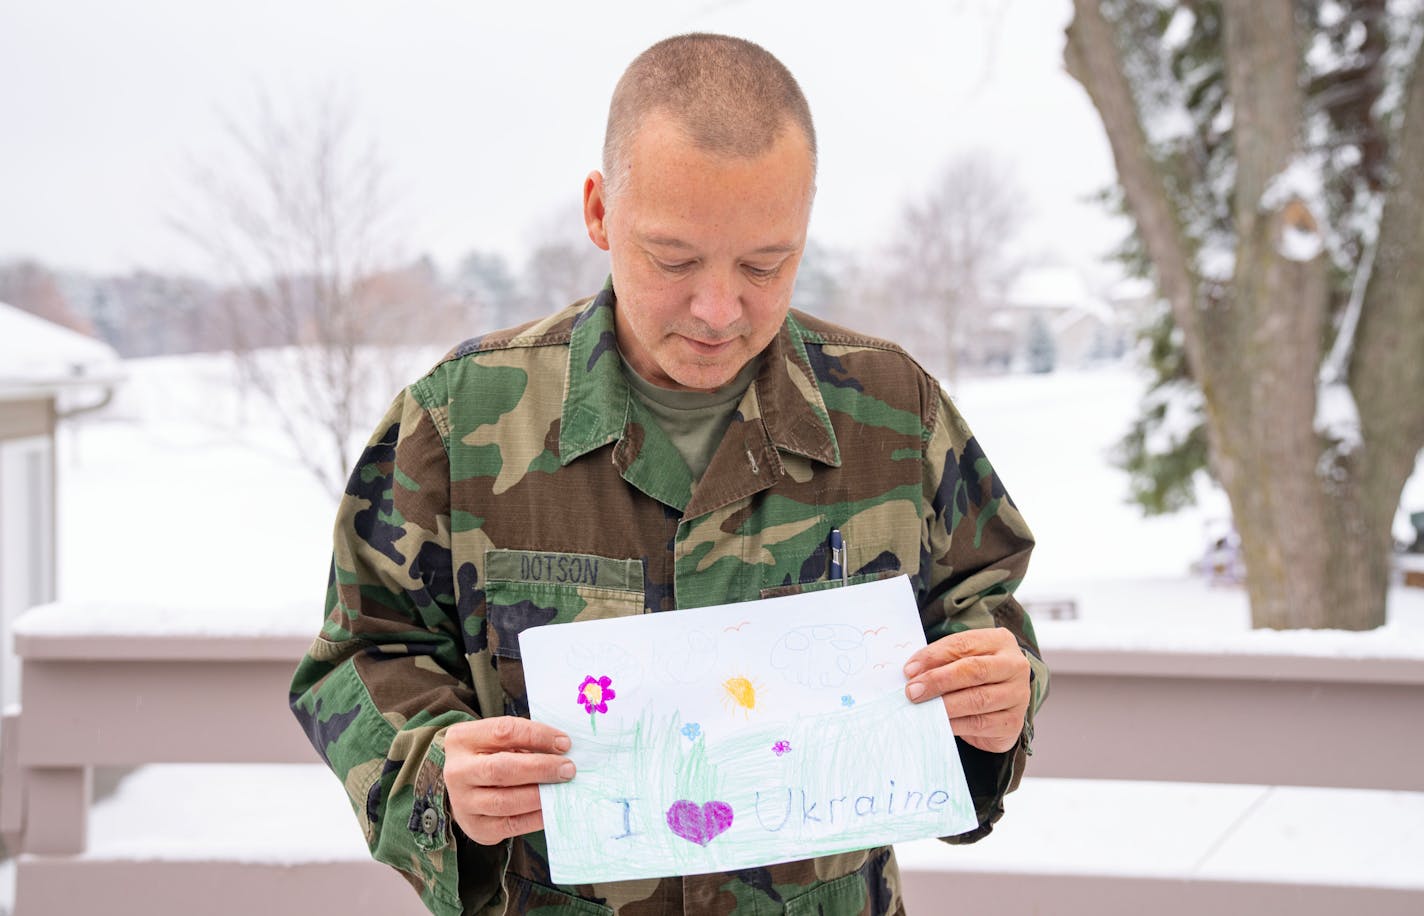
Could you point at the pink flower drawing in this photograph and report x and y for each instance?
(594, 693)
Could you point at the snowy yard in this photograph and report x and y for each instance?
(185, 496)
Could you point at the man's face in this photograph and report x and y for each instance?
(704, 250)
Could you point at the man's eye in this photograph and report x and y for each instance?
(681, 267)
(761, 273)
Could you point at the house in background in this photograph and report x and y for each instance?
(47, 372)
(1049, 318)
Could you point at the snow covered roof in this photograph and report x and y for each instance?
(1048, 287)
(1057, 289)
(38, 356)
(1131, 289)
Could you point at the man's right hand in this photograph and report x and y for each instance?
(493, 768)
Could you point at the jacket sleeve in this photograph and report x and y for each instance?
(388, 674)
(974, 554)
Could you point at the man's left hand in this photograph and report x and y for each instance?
(982, 677)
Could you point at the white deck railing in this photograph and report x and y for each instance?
(92, 697)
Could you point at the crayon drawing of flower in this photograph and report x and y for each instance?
(847, 701)
(594, 694)
(781, 747)
(691, 730)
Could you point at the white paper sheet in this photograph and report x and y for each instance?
(741, 735)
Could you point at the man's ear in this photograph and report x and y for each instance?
(594, 209)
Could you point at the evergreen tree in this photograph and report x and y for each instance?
(1041, 350)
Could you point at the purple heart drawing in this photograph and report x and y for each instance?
(699, 823)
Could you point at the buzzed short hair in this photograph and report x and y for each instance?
(731, 96)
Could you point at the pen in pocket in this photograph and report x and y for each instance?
(838, 556)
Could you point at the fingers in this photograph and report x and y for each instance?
(505, 751)
(491, 830)
(490, 814)
(493, 768)
(980, 700)
(504, 769)
(503, 802)
(984, 680)
(984, 641)
(997, 732)
(982, 677)
(506, 733)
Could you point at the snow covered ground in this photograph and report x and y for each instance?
(1286, 834)
(182, 503)
(185, 495)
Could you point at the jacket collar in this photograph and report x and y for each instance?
(782, 411)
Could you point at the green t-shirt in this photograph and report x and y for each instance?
(693, 420)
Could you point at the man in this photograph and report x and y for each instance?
(700, 442)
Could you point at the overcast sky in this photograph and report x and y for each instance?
(490, 114)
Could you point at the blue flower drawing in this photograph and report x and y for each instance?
(691, 730)
(847, 701)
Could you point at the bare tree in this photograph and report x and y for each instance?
(826, 284)
(296, 213)
(562, 266)
(488, 291)
(1272, 154)
(952, 258)
(31, 286)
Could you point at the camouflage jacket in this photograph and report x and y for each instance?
(523, 453)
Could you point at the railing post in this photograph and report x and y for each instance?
(57, 809)
(12, 781)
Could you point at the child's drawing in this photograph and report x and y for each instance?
(821, 655)
(608, 657)
(674, 777)
(740, 693)
(699, 824)
(594, 694)
(688, 656)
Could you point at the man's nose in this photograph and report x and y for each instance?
(717, 301)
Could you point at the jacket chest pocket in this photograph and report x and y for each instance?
(800, 588)
(526, 589)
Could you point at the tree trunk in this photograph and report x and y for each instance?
(1273, 332)
(1313, 552)
(1314, 516)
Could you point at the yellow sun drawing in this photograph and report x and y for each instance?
(740, 693)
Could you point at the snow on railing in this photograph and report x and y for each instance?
(186, 690)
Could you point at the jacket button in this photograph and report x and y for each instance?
(429, 821)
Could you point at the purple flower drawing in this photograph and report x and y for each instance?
(781, 747)
(594, 693)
